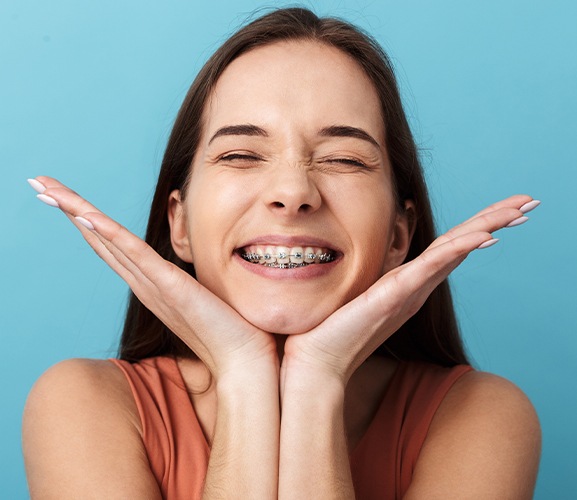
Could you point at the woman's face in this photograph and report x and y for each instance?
(290, 209)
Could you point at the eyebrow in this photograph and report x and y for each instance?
(251, 130)
(348, 131)
(332, 131)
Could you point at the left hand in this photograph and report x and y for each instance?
(343, 341)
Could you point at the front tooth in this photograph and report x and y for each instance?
(296, 255)
(309, 255)
(269, 255)
(282, 255)
(258, 256)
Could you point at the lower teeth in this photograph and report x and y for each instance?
(290, 265)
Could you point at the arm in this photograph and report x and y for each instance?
(82, 436)
(331, 353)
(244, 454)
(483, 443)
(242, 359)
(313, 458)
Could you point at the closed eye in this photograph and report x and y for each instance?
(239, 156)
(348, 161)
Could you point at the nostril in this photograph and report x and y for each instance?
(278, 204)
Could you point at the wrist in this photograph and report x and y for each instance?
(307, 356)
(310, 381)
(242, 381)
(246, 367)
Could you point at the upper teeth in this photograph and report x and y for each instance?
(291, 257)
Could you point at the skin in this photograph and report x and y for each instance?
(297, 184)
(290, 186)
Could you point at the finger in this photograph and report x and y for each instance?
(112, 235)
(134, 253)
(516, 201)
(131, 251)
(160, 285)
(146, 272)
(436, 263)
(505, 213)
(487, 221)
(68, 200)
(106, 254)
(72, 205)
(163, 299)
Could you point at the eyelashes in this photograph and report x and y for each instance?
(240, 157)
(347, 161)
(247, 158)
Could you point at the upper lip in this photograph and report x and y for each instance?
(290, 241)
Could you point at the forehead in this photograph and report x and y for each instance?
(301, 83)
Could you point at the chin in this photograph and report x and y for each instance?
(283, 320)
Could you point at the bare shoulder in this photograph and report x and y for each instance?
(484, 442)
(82, 433)
(85, 378)
(482, 396)
(77, 389)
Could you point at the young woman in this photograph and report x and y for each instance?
(290, 237)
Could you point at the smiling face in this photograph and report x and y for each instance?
(290, 210)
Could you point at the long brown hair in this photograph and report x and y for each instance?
(432, 334)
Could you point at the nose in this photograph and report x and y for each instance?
(292, 191)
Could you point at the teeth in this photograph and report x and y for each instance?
(286, 258)
(260, 256)
(283, 255)
(296, 255)
(309, 255)
(269, 256)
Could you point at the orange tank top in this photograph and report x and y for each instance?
(382, 463)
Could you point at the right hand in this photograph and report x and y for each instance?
(214, 331)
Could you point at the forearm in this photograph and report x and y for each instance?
(244, 456)
(314, 460)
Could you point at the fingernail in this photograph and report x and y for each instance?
(527, 207)
(85, 222)
(36, 185)
(488, 243)
(518, 222)
(46, 199)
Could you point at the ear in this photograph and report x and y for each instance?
(178, 227)
(401, 237)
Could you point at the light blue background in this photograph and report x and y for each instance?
(88, 92)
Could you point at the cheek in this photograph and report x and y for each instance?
(215, 211)
(372, 239)
(369, 221)
(213, 207)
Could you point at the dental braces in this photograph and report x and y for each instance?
(255, 257)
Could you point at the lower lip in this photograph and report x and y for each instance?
(302, 273)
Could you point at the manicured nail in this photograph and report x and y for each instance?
(488, 243)
(46, 199)
(37, 186)
(527, 207)
(85, 222)
(518, 222)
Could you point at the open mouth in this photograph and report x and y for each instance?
(281, 257)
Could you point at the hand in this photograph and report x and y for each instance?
(341, 343)
(216, 333)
